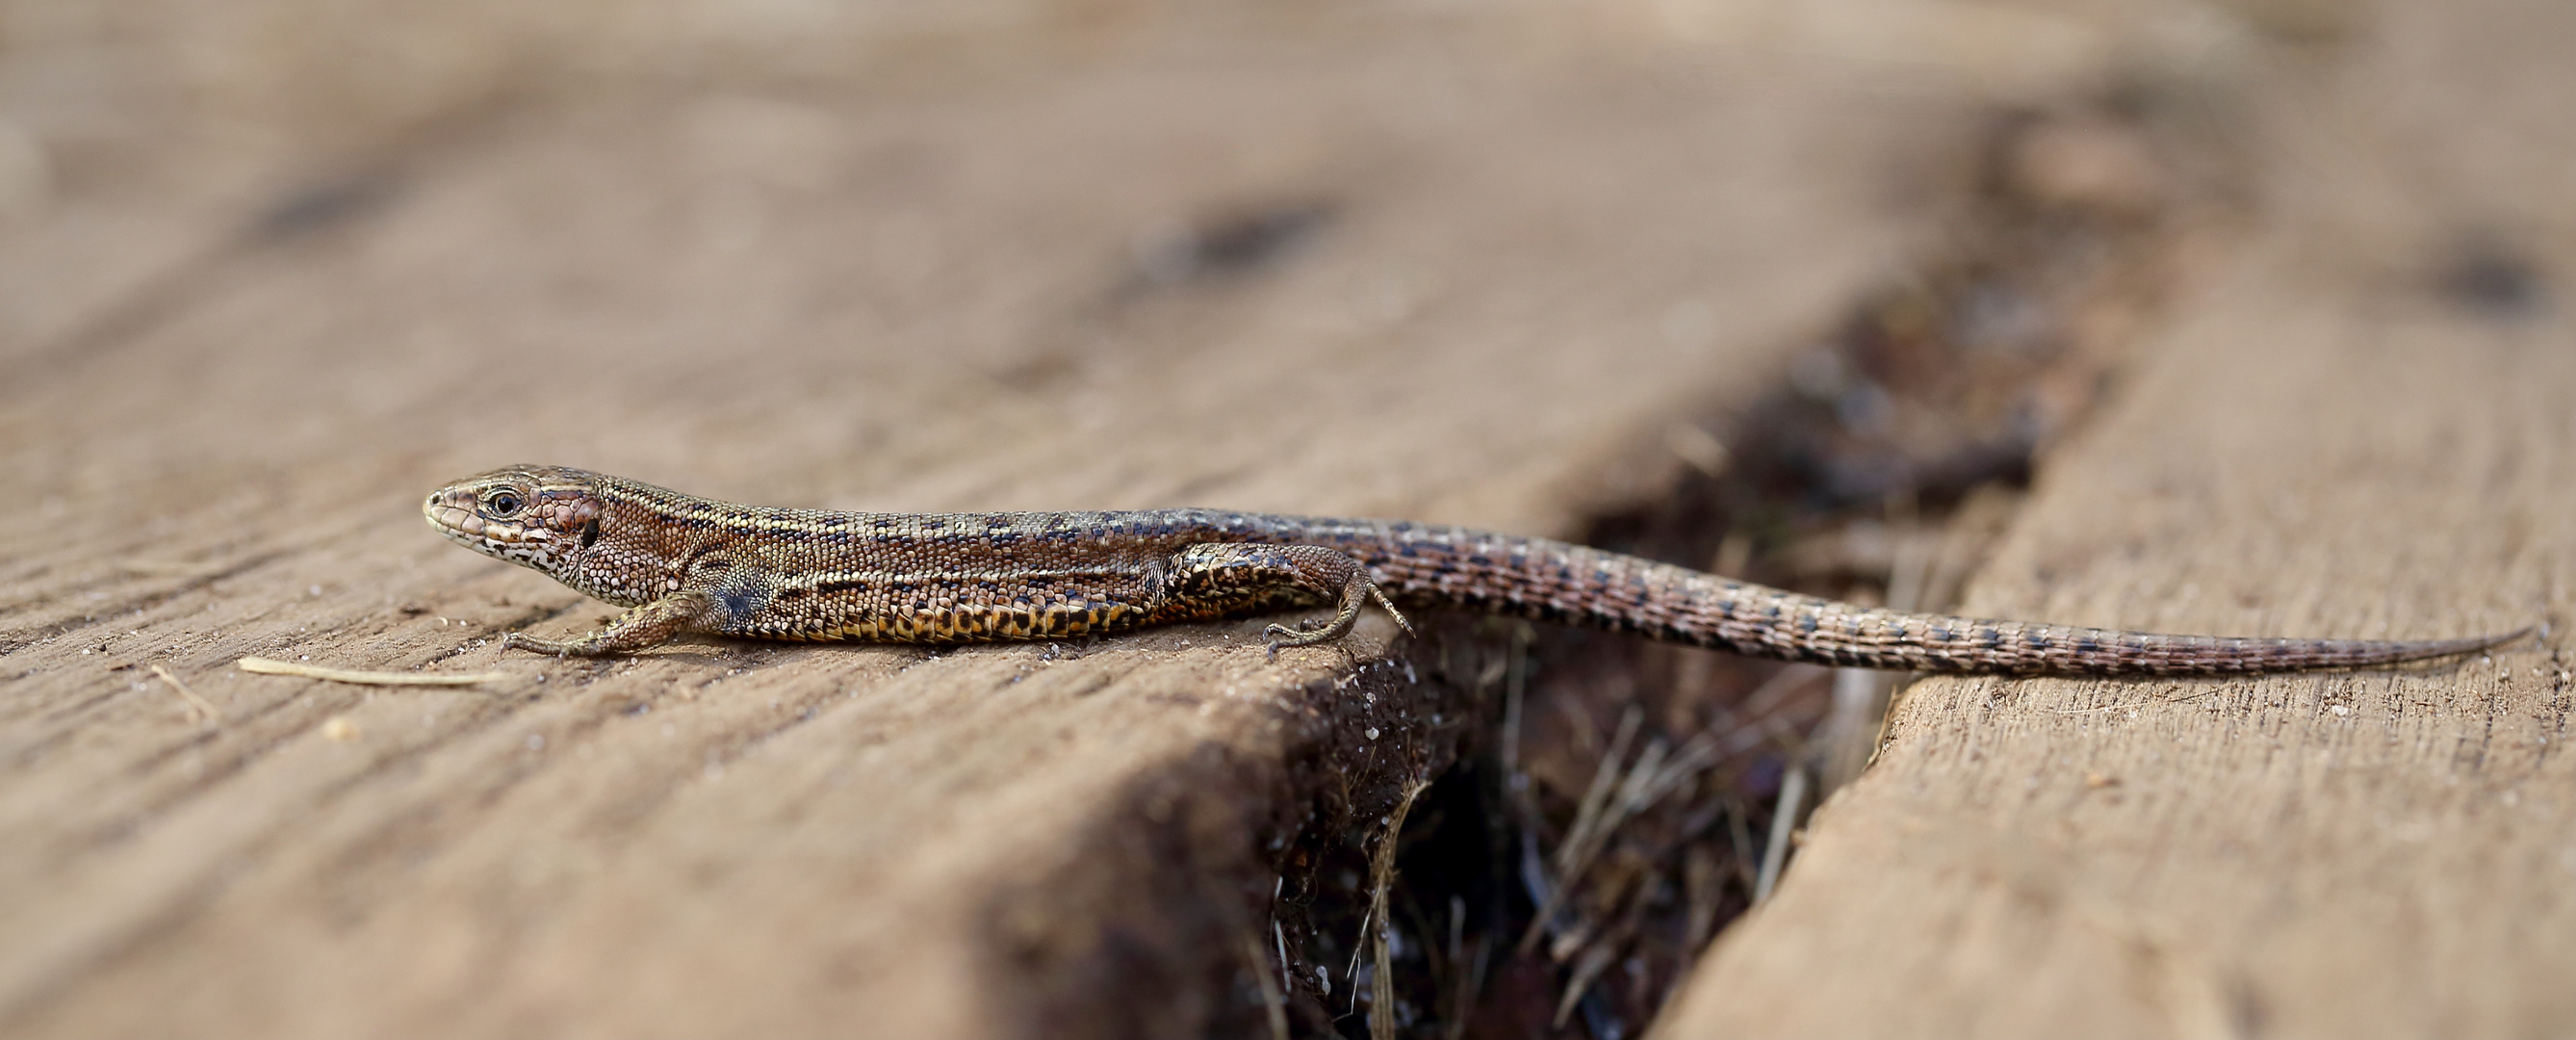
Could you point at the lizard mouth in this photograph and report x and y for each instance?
(471, 528)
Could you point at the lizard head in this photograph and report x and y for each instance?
(540, 516)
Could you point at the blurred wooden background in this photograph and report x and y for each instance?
(270, 270)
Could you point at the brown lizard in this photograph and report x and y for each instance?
(688, 564)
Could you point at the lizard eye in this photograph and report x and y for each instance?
(504, 503)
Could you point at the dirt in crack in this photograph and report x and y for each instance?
(1625, 801)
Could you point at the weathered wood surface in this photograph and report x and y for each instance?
(248, 330)
(2360, 425)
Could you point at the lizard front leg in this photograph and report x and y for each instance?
(716, 595)
(1216, 578)
(649, 625)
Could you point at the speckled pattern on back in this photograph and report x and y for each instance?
(693, 564)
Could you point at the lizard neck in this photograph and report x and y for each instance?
(647, 538)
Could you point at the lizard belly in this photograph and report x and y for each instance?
(895, 608)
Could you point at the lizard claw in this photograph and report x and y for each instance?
(534, 645)
(1389, 606)
(1281, 635)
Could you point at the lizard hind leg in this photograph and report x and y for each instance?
(1217, 579)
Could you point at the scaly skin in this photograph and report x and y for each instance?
(687, 564)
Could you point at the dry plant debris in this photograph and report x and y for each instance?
(200, 705)
(265, 666)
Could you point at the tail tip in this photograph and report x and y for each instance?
(2477, 644)
(2514, 636)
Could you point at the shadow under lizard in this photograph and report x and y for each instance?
(688, 564)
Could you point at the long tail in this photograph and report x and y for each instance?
(1569, 584)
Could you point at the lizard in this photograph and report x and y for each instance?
(687, 564)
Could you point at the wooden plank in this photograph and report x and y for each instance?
(1495, 266)
(2359, 425)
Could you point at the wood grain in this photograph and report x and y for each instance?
(850, 266)
(2333, 437)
